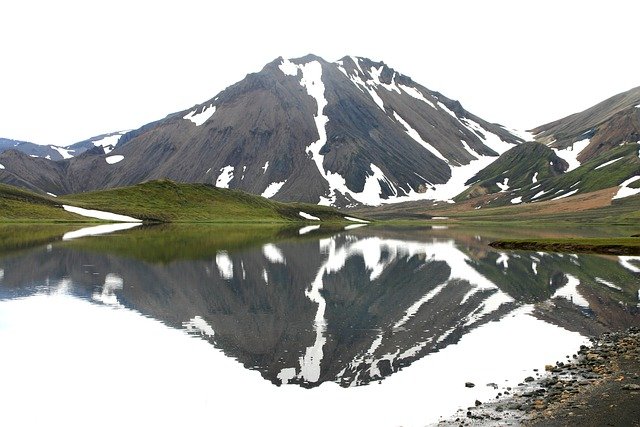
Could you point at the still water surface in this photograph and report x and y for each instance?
(262, 326)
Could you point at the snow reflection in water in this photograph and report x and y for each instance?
(409, 321)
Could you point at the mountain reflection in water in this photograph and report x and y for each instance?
(351, 308)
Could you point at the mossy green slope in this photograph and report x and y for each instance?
(520, 165)
(168, 201)
(17, 205)
(592, 175)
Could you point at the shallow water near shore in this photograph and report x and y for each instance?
(202, 325)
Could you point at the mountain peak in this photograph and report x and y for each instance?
(351, 132)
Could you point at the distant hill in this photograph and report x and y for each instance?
(51, 152)
(107, 142)
(598, 129)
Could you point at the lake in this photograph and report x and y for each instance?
(220, 325)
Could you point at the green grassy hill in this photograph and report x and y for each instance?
(519, 166)
(159, 201)
(168, 201)
(17, 205)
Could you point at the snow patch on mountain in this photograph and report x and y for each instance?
(369, 85)
(310, 75)
(570, 193)
(288, 68)
(608, 284)
(570, 154)
(225, 177)
(201, 117)
(350, 218)
(312, 81)
(416, 137)
(112, 160)
(415, 93)
(610, 162)
(93, 213)
(272, 189)
(489, 139)
(2, 166)
(525, 135)
(445, 108)
(503, 185)
(66, 154)
(108, 143)
(375, 76)
(539, 194)
(456, 184)
(625, 191)
(535, 178)
(308, 216)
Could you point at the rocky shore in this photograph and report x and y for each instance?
(597, 386)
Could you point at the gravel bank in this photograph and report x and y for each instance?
(597, 386)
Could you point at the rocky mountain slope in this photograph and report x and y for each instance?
(590, 151)
(353, 132)
(54, 152)
(598, 129)
(51, 152)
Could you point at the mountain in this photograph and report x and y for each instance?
(107, 141)
(596, 130)
(51, 152)
(519, 167)
(592, 151)
(352, 132)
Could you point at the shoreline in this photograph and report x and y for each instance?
(598, 385)
(610, 246)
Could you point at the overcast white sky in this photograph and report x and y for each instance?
(70, 70)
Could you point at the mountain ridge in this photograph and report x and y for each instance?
(354, 132)
(384, 138)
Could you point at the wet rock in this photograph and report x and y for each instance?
(469, 384)
(529, 379)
